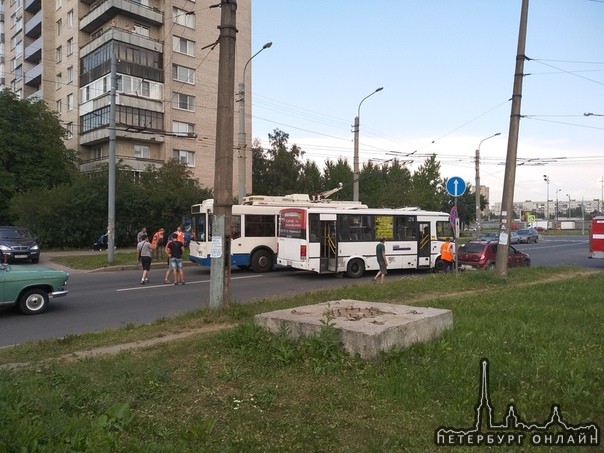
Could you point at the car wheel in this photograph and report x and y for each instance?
(262, 261)
(35, 260)
(526, 263)
(356, 269)
(490, 266)
(33, 301)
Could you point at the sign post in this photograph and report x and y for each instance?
(456, 187)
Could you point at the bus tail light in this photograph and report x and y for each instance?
(303, 251)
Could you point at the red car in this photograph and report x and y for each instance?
(483, 254)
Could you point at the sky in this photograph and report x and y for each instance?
(447, 72)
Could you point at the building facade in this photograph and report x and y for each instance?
(166, 62)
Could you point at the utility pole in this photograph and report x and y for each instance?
(477, 188)
(112, 158)
(507, 202)
(220, 270)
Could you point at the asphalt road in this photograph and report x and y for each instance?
(104, 300)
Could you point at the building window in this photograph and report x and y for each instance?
(59, 106)
(141, 87)
(183, 74)
(59, 80)
(59, 54)
(69, 130)
(70, 74)
(142, 151)
(183, 101)
(142, 30)
(184, 157)
(18, 72)
(69, 102)
(59, 3)
(183, 129)
(96, 153)
(184, 18)
(69, 46)
(59, 27)
(183, 45)
(70, 19)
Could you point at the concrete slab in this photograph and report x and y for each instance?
(366, 328)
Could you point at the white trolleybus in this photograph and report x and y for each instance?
(596, 237)
(342, 241)
(254, 226)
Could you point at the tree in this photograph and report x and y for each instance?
(336, 173)
(427, 187)
(32, 152)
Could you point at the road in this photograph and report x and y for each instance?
(104, 300)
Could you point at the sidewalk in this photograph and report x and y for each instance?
(46, 259)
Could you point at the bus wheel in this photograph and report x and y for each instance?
(262, 261)
(438, 266)
(356, 269)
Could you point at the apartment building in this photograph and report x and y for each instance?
(166, 59)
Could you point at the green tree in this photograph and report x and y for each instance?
(32, 152)
(427, 186)
(336, 173)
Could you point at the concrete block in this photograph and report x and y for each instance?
(366, 328)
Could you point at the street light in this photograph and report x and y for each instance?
(568, 212)
(592, 114)
(355, 178)
(546, 179)
(557, 190)
(241, 139)
(477, 188)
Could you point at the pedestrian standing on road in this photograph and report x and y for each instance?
(158, 243)
(446, 255)
(169, 270)
(380, 254)
(139, 236)
(175, 248)
(145, 252)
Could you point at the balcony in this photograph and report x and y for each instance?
(118, 34)
(105, 11)
(33, 52)
(33, 77)
(33, 6)
(136, 163)
(33, 27)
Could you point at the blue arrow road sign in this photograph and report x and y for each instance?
(456, 186)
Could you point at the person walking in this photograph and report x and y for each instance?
(175, 248)
(145, 252)
(380, 254)
(158, 243)
(140, 234)
(446, 255)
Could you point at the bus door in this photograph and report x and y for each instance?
(329, 255)
(424, 246)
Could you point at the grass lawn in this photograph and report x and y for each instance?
(241, 389)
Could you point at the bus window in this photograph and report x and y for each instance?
(405, 228)
(235, 227)
(315, 227)
(443, 230)
(259, 225)
(355, 227)
(199, 226)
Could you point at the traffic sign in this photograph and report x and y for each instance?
(456, 186)
(453, 216)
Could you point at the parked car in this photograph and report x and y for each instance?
(18, 244)
(30, 287)
(483, 255)
(514, 238)
(492, 236)
(528, 235)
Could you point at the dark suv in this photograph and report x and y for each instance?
(483, 254)
(17, 244)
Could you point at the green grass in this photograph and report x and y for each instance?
(99, 261)
(243, 389)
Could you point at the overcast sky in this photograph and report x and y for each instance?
(447, 68)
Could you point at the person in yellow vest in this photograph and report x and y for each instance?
(447, 255)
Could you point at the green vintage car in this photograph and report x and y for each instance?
(30, 287)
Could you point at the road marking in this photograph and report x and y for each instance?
(148, 286)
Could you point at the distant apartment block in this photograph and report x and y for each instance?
(167, 75)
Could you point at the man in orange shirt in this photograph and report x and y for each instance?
(446, 255)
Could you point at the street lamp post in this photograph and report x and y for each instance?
(568, 211)
(546, 179)
(477, 188)
(557, 190)
(241, 138)
(355, 178)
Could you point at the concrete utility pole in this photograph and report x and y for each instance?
(507, 202)
(220, 270)
(112, 159)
